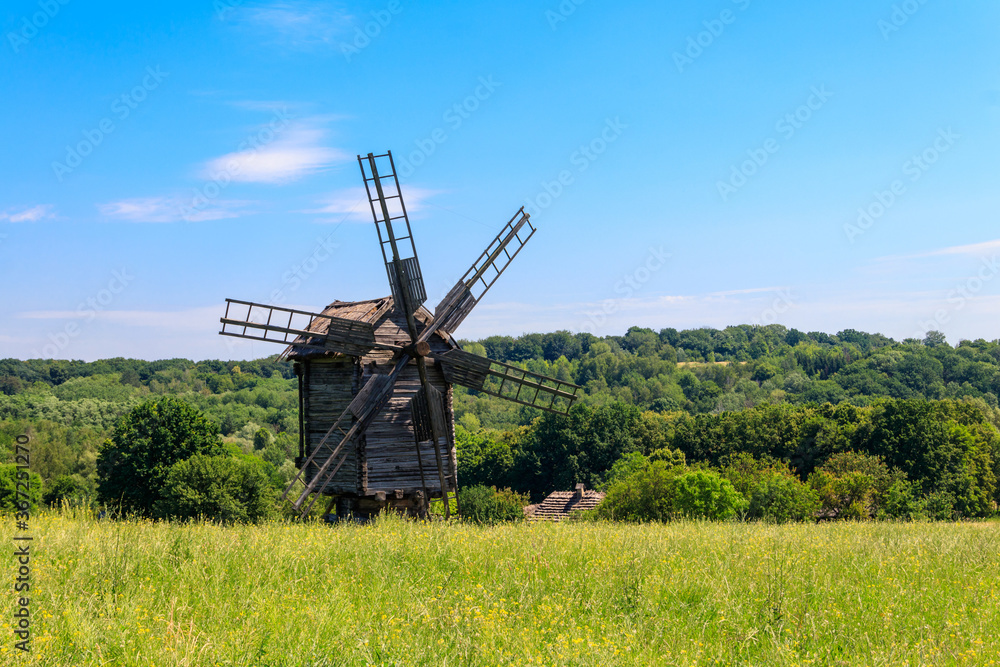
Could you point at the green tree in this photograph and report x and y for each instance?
(703, 494)
(934, 339)
(218, 488)
(133, 464)
(647, 495)
(780, 498)
(67, 488)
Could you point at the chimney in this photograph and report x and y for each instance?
(578, 493)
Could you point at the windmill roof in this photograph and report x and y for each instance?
(371, 311)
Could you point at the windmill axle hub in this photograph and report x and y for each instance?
(419, 349)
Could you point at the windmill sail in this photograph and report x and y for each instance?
(506, 381)
(275, 324)
(389, 212)
(463, 297)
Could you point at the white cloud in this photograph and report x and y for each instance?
(171, 209)
(295, 152)
(353, 203)
(972, 249)
(296, 24)
(33, 214)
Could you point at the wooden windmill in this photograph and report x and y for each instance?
(375, 401)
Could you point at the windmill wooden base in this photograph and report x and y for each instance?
(363, 509)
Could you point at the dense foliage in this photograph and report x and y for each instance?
(792, 401)
(486, 505)
(223, 488)
(134, 463)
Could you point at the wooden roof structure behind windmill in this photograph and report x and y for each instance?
(375, 397)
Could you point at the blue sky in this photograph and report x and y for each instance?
(823, 165)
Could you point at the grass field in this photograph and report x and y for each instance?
(407, 593)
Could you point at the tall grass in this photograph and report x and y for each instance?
(400, 592)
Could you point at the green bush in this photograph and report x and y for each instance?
(703, 494)
(939, 506)
(901, 502)
(487, 506)
(745, 472)
(220, 488)
(67, 488)
(780, 498)
(647, 495)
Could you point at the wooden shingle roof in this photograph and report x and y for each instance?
(560, 504)
(371, 311)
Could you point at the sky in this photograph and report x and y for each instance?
(825, 166)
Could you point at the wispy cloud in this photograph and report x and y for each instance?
(171, 209)
(752, 290)
(192, 319)
(295, 24)
(352, 203)
(972, 249)
(33, 214)
(296, 152)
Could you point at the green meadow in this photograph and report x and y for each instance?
(399, 592)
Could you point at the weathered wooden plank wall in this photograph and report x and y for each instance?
(329, 387)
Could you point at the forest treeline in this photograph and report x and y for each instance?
(926, 408)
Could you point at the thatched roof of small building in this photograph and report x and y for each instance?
(560, 504)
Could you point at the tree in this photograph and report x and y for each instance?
(219, 488)
(647, 495)
(703, 494)
(69, 488)
(133, 464)
(781, 497)
(934, 338)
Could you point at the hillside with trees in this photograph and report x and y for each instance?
(925, 409)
